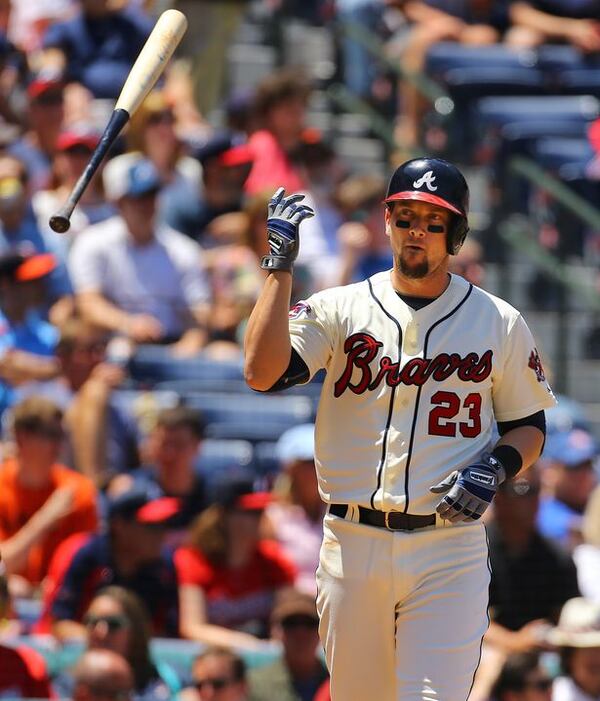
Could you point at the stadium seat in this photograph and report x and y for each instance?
(153, 364)
(445, 56)
(252, 417)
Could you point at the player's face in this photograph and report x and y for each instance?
(418, 232)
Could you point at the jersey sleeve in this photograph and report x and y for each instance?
(521, 388)
(191, 568)
(312, 332)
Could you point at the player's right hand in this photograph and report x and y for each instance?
(283, 222)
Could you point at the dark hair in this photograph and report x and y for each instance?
(238, 666)
(182, 417)
(280, 87)
(137, 616)
(73, 330)
(513, 674)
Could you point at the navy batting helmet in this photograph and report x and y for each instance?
(438, 182)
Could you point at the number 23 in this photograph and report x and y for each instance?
(447, 407)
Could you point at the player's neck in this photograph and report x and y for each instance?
(432, 285)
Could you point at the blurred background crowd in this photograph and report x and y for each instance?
(159, 522)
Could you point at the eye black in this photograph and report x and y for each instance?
(402, 223)
(436, 228)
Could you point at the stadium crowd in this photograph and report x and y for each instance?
(152, 547)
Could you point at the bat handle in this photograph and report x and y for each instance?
(60, 222)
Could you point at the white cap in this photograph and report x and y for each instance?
(578, 625)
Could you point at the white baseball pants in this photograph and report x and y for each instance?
(402, 614)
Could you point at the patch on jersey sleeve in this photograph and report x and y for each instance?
(536, 365)
(301, 310)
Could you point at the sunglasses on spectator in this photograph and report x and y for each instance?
(216, 683)
(113, 623)
(539, 684)
(53, 433)
(299, 621)
(113, 694)
(165, 117)
(79, 150)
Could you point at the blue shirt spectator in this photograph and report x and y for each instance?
(99, 47)
(571, 455)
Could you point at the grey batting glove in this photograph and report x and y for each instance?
(470, 491)
(283, 222)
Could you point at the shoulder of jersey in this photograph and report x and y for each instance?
(497, 304)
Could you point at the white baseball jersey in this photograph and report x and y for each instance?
(410, 395)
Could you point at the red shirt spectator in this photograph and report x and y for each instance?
(23, 674)
(228, 577)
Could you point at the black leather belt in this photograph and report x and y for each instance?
(392, 520)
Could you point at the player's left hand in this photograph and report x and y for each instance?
(470, 491)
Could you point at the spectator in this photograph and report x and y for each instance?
(471, 22)
(296, 519)
(41, 501)
(98, 46)
(228, 575)
(531, 576)
(522, 678)
(23, 671)
(27, 341)
(218, 674)
(74, 147)
(299, 673)
(117, 620)
(136, 279)
(587, 555)
(174, 446)
(226, 160)
(281, 101)
(19, 231)
(101, 437)
(129, 554)
(212, 28)
(570, 479)
(45, 117)
(153, 134)
(578, 637)
(100, 675)
(556, 21)
(363, 244)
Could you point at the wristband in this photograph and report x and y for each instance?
(510, 458)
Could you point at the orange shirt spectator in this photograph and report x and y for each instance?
(18, 503)
(272, 166)
(41, 501)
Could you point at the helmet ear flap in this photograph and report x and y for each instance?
(457, 234)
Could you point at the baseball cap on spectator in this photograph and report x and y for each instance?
(77, 135)
(571, 448)
(291, 602)
(45, 81)
(24, 268)
(227, 148)
(238, 493)
(134, 179)
(297, 443)
(578, 624)
(144, 506)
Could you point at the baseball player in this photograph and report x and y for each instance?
(420, 364)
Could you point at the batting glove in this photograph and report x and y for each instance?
(470, 491)
(283, 222)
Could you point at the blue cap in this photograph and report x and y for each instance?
(571, 448)
(134, 179)
(297, 443)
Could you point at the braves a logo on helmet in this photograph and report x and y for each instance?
(536, 365)
(427, 179)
